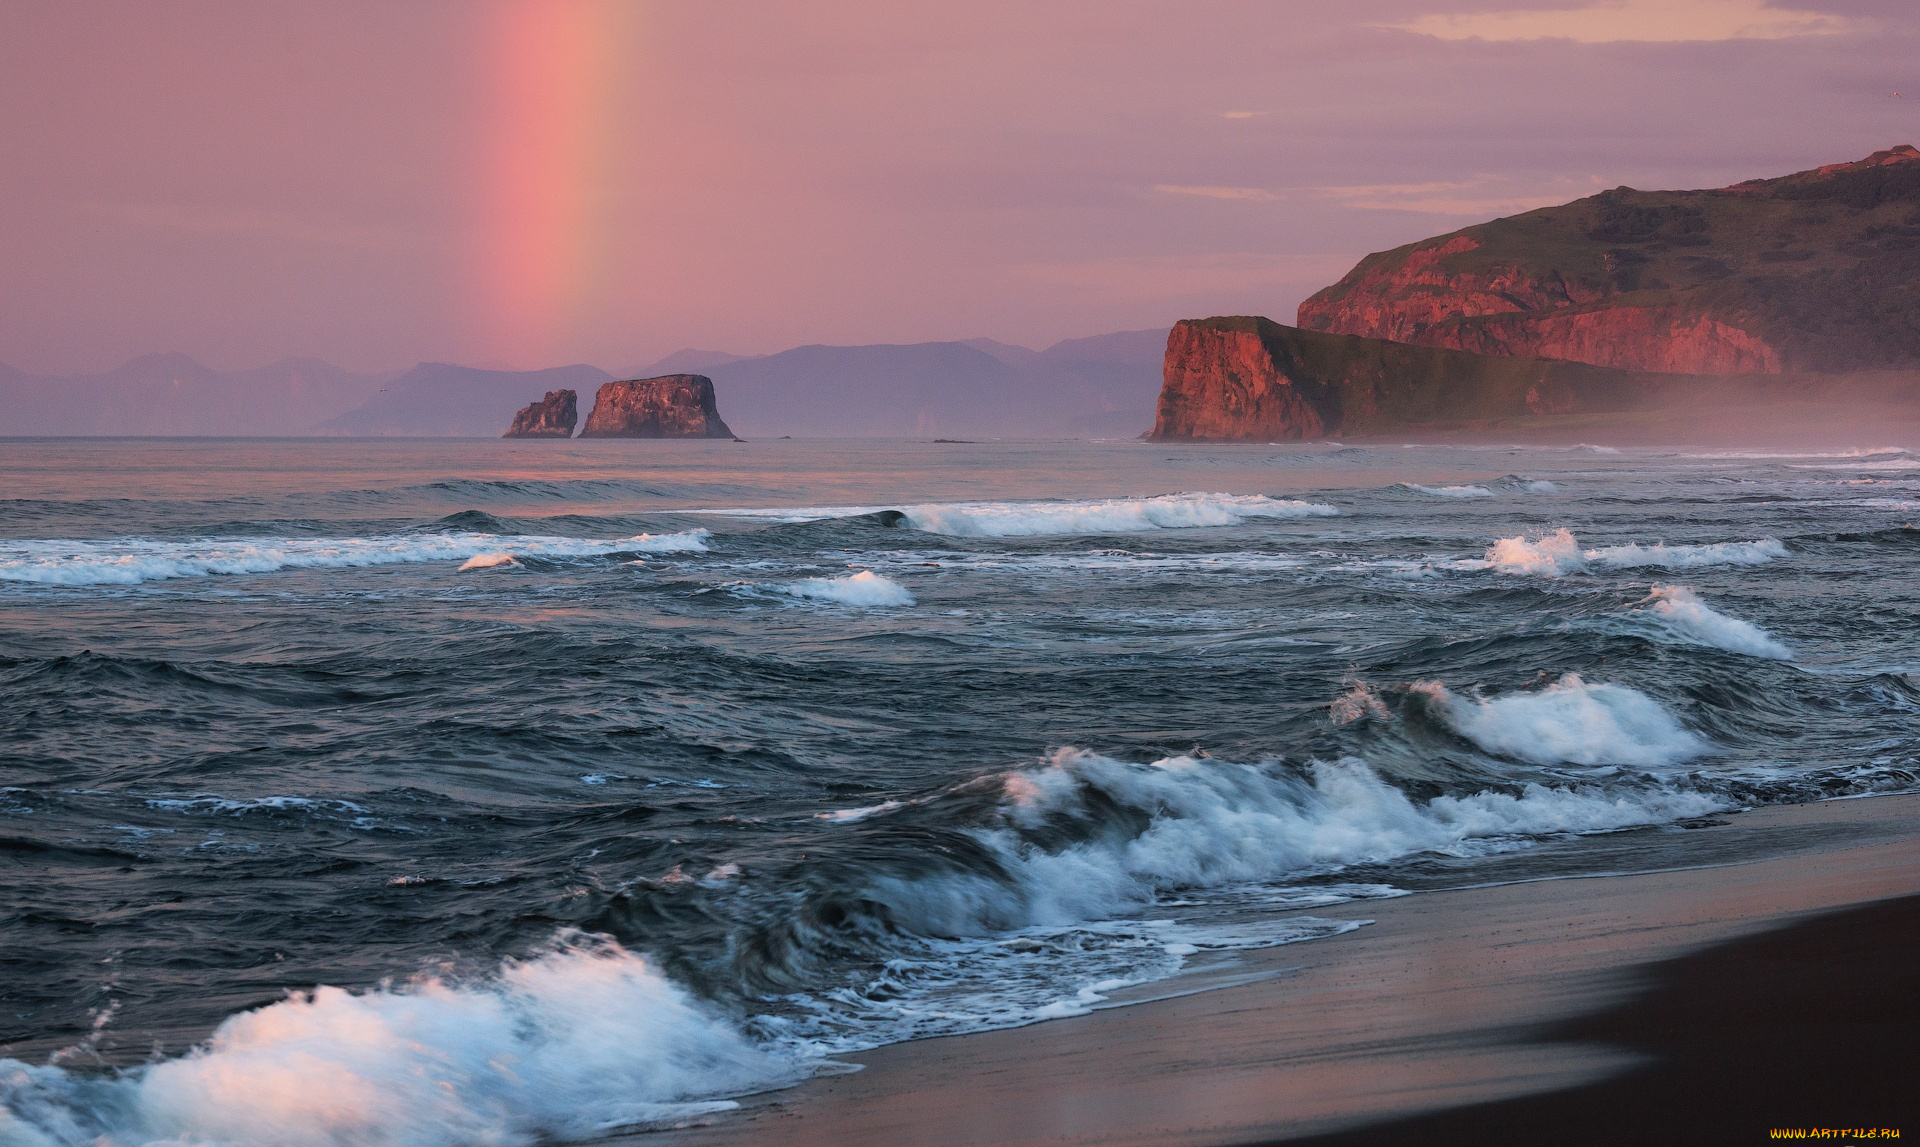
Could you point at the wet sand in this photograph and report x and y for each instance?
(1471, 1015)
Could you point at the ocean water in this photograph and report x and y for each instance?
(442, 792)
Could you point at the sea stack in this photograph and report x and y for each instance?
(554, 416)
(670, 406)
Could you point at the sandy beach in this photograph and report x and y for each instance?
(1459, 1005)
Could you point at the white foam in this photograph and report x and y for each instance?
(1680, 611)
(1737, 455)
(1036, 519)
(487, 561)
(865, 588)
(1453, 491)
(850, 815)
(129, 561)
(1569, 722)
(1880, 464)
(1558, 553)
(568, 1046)
(1114, 515)
(1213, 822)
(1635, 556)
(1218, 835)
(1555, 554)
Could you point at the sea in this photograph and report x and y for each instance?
(446, 792)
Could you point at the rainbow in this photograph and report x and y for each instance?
(544, 158)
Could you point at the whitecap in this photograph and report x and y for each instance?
(571, 1045)
(1568, 722)
(865, 588)
(1680, 611)
(129, 561)
(487, 561)
(1558, 553)
(1452, 491)
(1036, 519)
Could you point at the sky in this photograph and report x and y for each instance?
(525, 183)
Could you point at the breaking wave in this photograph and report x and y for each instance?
(1038, 519)
(591, 1038)
(1568, 722)
(1452, 491)
(865, 588)
(1680, 611)
(571, 1045)
(129, 561)
(1558, 553)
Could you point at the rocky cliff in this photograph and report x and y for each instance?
(671, 406)
(554, 416)
(1251, 379)
(1816, 271)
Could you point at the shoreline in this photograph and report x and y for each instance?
(1447, 1000)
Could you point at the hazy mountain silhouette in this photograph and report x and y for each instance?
(439, 399)
(1101, 386)
(171, 394)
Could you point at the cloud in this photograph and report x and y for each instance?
(1132, 278)
(1240, 115)
(1483, 195)
(1642, 21)
(1254, 194)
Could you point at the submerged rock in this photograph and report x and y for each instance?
(671, 406)
(552, 417)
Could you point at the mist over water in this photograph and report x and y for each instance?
(575, 786)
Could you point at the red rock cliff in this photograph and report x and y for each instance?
(1248, 379)
(554, 416)
(671, 406)
(1806, 272)
(1222, 384)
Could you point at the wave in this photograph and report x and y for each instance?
(1568, 722)
(1900, 463)
(1452, 491)
(1680, 611)
(129, 561)
(1558, 553)
(1037, 919)
(865, 588)
(1758, 455)
(1116, 870)
(1039, 519)
(574, 1044)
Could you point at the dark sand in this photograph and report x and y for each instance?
(1558, 1011)
(1816, 1025)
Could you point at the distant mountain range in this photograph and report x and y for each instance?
(1090, 387)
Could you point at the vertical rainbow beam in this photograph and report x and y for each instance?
(551, 65)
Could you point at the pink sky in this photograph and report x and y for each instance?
(551, 181)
